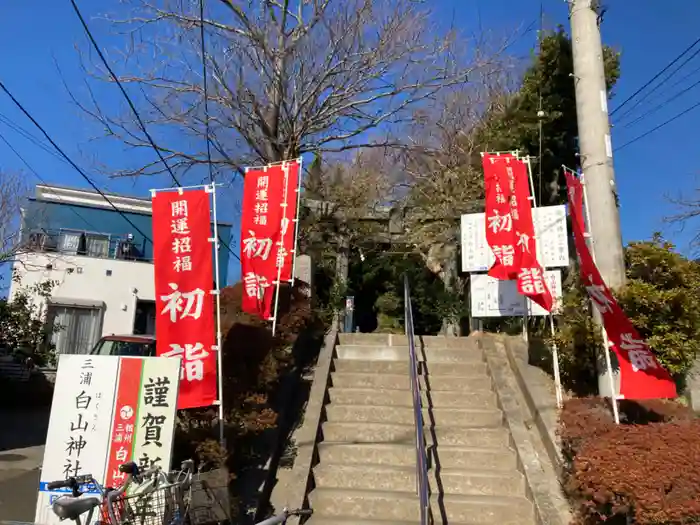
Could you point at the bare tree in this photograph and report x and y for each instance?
(285, 77)
(688, 213)
(13, 191)
(443, 172)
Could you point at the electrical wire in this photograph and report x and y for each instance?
(661, 105)
(70, 161)
(628, 99)
(41, 179)
(657, 86)
(121, 88)
(652, 130)
(29, 136)
(134, 110)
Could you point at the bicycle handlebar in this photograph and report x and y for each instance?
(285, 515)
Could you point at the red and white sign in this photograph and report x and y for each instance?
(107, 410)
(641, 375)
(268, 236)
(184, 279)
(531, 276)
(500, 231)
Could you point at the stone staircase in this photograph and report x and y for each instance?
(366, 471)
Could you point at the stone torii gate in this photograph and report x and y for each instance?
(441, 259)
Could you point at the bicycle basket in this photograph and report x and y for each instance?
(166, 505)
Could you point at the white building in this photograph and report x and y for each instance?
(100, 259)
(101, 264)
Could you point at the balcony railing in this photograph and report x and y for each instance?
(85, 243)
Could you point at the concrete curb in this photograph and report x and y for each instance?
(293, 486)
(540, 399)
(544, 490)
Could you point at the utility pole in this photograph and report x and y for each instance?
(595, 149)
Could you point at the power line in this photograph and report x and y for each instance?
(41, 179)
(27, 135)
(676, 83)
(34, 140)
(70, 161)
(662, 104)
(652, 130)
(121, 88)
(657, 86)
(624, 102)
(204, 87)
(135, 111)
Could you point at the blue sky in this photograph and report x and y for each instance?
(37, 36)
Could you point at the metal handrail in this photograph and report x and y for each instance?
(421, 459)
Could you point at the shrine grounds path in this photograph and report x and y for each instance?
(22, 438)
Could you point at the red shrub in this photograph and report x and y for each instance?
(650, 472)
(582, 419)
(647, 468)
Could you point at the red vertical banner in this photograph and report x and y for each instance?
(184, 279)
(531, 279)
(261, 219)
(641, 375)
(500, 233)
(286, 248)
(127, 401)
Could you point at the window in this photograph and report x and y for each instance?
(69, 243)
(124, 348)
(97, 245)
(84, 243)
(78, 328)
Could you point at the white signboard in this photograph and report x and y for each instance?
(550, 228)
(493, 298)
(107, 411)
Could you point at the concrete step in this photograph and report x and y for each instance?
(400, 353)
(387, 397)
(365, 504)
(472, 510)
(484, 459)
(365, 477)
(501, 459)
(402, 382)
(401, 367)
(367, 453)
(470, 369)
(391, 433)
(371, 367)
(440, 417)
(427, 341)
(403, 479)
(476, 482)
(325, 520)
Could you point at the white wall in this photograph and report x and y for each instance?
(86, 278)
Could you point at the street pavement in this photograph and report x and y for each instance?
(22, 438)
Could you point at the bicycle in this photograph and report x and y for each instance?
(117, 507)
(161, 498)
(74, 506)
(282, 518)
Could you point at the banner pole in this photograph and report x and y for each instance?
(278, 263)
(296, 222)
(606, 342)
(555, 351)
(555, 366)
(219, 349)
